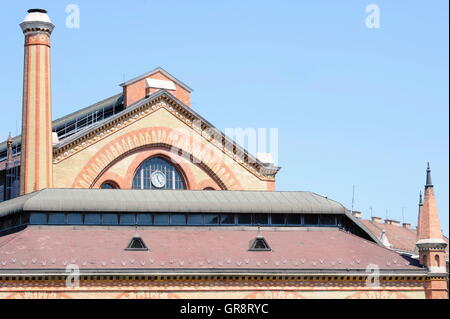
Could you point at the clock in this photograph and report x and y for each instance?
(158, 179)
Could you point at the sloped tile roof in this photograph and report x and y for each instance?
(401, 238)
(195, 249)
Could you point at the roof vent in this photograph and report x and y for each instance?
(384, 240)
(136, 243)
(259, 243)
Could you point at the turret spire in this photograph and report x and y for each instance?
(428, 182)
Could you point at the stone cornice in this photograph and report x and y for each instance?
(141, 109)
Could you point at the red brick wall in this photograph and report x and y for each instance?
(138, 90)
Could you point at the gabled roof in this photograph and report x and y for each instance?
(264, 168)
(401, 238)
(164, 72)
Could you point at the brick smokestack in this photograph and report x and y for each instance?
(36, 150)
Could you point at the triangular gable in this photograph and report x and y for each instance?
(85, 138)
(161, 70)
(136, 243)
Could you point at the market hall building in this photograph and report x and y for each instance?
(149, 200)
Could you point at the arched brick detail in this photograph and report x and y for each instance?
(168, 142)
(141, 155)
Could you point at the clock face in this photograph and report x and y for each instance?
(158, 179)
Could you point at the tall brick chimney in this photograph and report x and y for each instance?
(36, 150)
(431, 245)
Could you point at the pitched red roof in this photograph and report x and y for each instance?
(192, 248)
(401, 238)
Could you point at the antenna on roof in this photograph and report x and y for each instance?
(387, 215)
(371, 211)
(403, 214)
(353, 197)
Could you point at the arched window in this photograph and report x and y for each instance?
(436, 258)
(109, 185)
(158, 173)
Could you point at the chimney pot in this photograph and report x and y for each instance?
(392, 222)
(37, 10)
(356, 214)
(376, 219)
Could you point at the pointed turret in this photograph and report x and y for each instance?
(431, 244)
(416, 250)
(429, 227)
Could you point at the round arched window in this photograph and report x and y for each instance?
(158, 173)
(109, 185)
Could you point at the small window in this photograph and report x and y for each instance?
(56, 218)
(259, 244)
(127, 219)
(109, 185)
(294, 219)
(261, 219)
(92, 219)
(195, 219)
(161, 219)
(278, 219)
(110, 219)
(311, 219)
(437, 260)
(38, 219)
(144, 219)
(211, 219)
(227, 219)
(74, 219)
(136, 243)
(178, 219)
(244, 219)
(327, 220)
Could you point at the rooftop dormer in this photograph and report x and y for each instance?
(148, 83)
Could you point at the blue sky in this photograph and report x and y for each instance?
(353, 105)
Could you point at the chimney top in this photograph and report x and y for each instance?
(37, 19)
(392, 222)
(407, 225)
(37, 10)
(376, 219)
(356, 214)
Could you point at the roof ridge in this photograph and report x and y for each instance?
(266, 170)
(155, 70)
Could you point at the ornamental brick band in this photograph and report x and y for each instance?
(172, 140)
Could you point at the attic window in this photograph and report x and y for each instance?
(259, 244)
(136, 243)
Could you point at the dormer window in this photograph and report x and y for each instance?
(136, 243)
(259, 244)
